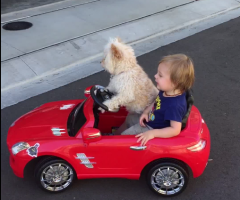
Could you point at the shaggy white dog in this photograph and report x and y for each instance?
(130, 84)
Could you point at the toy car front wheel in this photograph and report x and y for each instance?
(54, 175)
(167, 179)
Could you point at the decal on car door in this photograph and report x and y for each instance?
(85, 160)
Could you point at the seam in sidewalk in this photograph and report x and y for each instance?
(90, 33)
(12, 47)
(76, 46)
(28, 66)
(20, 18)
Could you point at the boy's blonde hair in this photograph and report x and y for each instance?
(181, 71)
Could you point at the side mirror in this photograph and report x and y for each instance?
(91, 135)
(87, 91)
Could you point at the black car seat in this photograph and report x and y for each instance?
(190, 101)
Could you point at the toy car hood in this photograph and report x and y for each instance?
(45, 122)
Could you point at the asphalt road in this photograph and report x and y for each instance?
(215, 53)
(16, 5)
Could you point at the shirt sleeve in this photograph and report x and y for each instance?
(174, 113)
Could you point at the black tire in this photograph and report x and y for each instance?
(167, 176)
(55, 179)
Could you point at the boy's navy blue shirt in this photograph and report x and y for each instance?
(167, 109)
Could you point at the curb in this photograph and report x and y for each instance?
(90, 65)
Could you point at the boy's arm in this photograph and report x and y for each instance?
(149, 108)
(144, 117)
(173, 130)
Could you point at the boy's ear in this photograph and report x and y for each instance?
(115, 52)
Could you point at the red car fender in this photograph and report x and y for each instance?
(62, 149)
(61, 156)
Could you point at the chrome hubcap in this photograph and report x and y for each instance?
(167, 180)
(56, 177)
(167, 183)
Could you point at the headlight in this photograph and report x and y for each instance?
(16, 148)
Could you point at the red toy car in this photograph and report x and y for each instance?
(69, 139)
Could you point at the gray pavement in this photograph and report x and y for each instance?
(16, 5)
(66, 41)
(75, 22)
(215, 53)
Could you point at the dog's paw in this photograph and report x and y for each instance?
(101, 109)
(110, 105)
(109, 89)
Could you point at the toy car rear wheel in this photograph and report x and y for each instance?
(167, 179)
(54, 175)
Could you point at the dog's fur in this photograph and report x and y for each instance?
(130, 84)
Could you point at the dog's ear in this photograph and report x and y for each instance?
(115, 52)
(119, 39)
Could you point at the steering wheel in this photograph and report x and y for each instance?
(101, 94)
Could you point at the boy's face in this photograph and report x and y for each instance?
(162, 78)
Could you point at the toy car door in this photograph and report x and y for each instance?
(115, 155)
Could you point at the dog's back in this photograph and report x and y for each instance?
(143, 90)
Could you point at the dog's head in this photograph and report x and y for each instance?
(118, 57)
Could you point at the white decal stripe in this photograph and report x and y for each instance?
(85, 160)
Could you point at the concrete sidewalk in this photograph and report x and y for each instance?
(67, 38)
(8, 6)
(76, 22)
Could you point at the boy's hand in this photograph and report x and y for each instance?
(144, 137)
(143, 117)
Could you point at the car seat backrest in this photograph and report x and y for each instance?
(190, 101)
